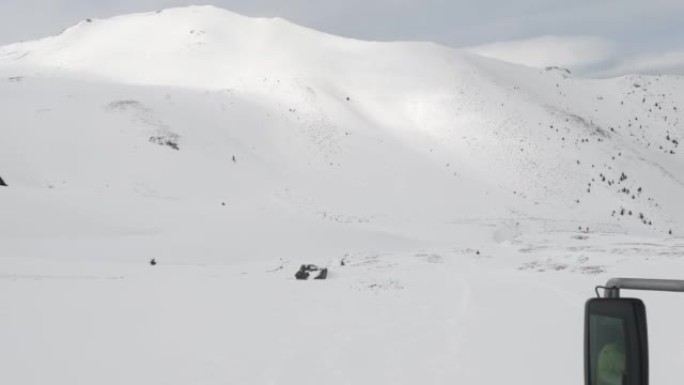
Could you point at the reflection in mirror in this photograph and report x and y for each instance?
(608, 350)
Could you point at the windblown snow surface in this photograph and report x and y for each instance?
(474, 203)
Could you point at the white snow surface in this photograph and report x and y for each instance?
(475, 204)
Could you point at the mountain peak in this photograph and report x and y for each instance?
(187, 46)
(209, 47)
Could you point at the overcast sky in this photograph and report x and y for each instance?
(595, 37)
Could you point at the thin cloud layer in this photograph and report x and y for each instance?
(671, 63)
(573, 52)
(586, 55)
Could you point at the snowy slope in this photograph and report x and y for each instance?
(233, 149)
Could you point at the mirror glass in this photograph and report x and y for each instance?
(615, 342)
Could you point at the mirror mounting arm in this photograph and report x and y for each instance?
(613, 286)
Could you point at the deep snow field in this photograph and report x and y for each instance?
(465, 207)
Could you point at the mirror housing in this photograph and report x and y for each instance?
(615, 342)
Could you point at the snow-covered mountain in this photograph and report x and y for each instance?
(197, 136)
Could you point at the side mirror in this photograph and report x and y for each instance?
(615, 342)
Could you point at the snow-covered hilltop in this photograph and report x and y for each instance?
(204, 47)
(200, 137)
(211, 48)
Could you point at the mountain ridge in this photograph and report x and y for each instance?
(393, 138)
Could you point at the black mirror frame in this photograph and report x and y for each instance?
(639, 313)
